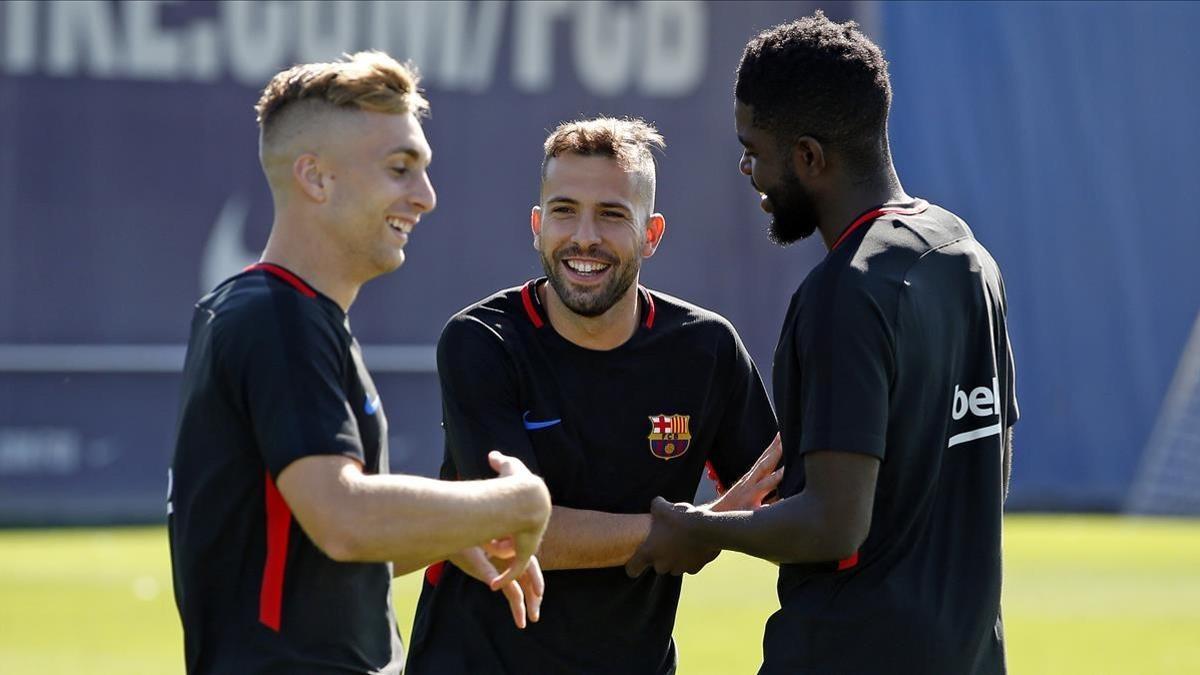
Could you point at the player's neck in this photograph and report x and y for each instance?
(841, 208)
(602, 333)
(314, 264)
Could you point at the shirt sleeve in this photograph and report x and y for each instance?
(480, 399)
(747, 423)
(1014, 411)
(846, 353)
(286, 367)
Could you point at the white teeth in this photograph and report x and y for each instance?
(586, 267)
(396, 223)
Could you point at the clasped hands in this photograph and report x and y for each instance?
(669, 548)
(672, 547)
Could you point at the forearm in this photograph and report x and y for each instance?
(790, 531)
(579, 539)
(1006, 467)
(414, 521)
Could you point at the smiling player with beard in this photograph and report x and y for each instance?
(614, 394)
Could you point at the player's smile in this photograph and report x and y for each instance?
(401, 227)
(586, 270)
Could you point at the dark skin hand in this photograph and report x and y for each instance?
(749, 493)
(668, 548)
(827, 521)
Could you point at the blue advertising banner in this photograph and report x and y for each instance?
(130, 185)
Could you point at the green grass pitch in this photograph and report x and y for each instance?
(1087, 595)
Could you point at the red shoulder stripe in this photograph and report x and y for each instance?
(872, 215)
(287, 276)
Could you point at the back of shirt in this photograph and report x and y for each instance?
(896, 346)
(272, 376)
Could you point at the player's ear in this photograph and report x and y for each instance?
(808, 156)
(656, 227)
(306, 171)
(535, 225)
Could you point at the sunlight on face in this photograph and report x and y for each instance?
(593, 231)
(380, 187)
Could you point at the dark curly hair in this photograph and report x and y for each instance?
(814, 77)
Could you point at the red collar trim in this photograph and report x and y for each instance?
(528, 300)
(875, 213)
(284, 274)
(649, 322)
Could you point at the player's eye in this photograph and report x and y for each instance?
(561, 209)
(400, 170)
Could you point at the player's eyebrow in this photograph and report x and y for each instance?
(575, 202)
(614, 205)
(411, 152)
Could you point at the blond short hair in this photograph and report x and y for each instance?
(629, 141)
(368, 80)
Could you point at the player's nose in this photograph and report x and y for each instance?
(424, 198)
(586, 233)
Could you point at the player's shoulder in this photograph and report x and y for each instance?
(913, 230)
(895, 241)
(256, 304)
(499, 314)
(673, 314)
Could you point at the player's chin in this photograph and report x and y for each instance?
(390, 261)
(587, 302)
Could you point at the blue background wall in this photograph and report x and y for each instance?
(1067, 135)
(129, 183)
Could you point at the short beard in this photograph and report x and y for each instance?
(583, 303)
(793, 211)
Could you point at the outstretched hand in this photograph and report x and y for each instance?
(524, 543)
(668, 548)
(524, 594)
(755, 488)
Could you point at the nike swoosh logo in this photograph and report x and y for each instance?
(534, 426)
(225, 254)
(371, 406)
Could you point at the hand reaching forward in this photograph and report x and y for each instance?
(749, 492)
(524, 594)
(667, 548)
(524, 542)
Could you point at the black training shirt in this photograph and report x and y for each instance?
(608, 431)
(896, 346)
(272, 375)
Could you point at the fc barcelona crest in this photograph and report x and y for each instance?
(669, 435)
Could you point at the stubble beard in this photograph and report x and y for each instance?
(588, 303)
(793, 212)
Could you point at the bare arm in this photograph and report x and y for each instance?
(1008, 450)
(412, 521)
(827, 521)
(579, 539)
